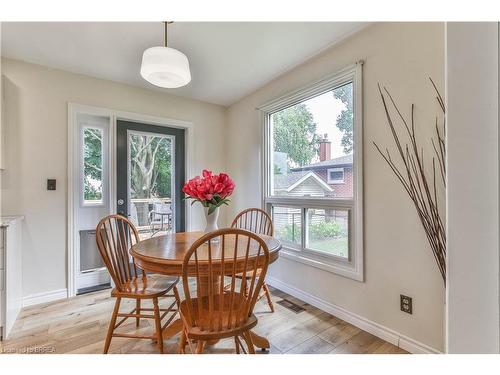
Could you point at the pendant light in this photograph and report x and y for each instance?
(164, 66)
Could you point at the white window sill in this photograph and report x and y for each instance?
(329, 264)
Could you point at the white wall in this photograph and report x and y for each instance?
(2, 115)
(37, 121)
(473, 223)
(397, 256)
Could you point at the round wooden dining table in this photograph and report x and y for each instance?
(165, 255)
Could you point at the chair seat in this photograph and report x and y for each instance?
(228, 327)
(146, 287)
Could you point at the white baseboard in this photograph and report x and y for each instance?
(53, 295)
(387, 334)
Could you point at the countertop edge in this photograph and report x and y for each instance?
(5, 221)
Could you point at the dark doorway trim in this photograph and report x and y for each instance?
(122, 126)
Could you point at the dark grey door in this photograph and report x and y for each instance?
(150, 175)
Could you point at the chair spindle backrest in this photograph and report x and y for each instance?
(213, 264)
(115, 235)
(255, 220)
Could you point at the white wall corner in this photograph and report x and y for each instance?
(473, 260)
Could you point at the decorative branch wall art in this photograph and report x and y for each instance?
(423, 184)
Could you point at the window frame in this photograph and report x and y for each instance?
(338, 181)
(353, 267)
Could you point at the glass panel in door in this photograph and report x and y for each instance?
(150, 182)
(150, 174)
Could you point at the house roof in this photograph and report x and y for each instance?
(342, 161)
(315, 177)
(291, 180)
(284, 181)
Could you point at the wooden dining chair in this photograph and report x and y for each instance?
(257, 221)
(115, 235)
(213, 312)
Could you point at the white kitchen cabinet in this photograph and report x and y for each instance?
(11, 287)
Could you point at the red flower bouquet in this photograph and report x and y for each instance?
(211, 190)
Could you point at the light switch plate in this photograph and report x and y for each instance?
(51, 184)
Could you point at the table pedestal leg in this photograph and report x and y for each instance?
(259, 341)
(204, 286)
(172, 329)
(176, 327)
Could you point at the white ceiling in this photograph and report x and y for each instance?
(228, 60)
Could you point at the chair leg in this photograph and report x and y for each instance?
(248, 340)
(137, 311)
(182, 343)
(112, 323)
(268, 296)
(177, 299)
(200, 346)
(237, 344)
(159, 333)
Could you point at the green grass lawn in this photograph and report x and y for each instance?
(336, 246)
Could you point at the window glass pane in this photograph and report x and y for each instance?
(335, 176)
(327, 231)
(92, 165)
(310, 138)
(150, 179)
(287, 223)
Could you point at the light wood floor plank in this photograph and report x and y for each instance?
(78, 325)
(314, 345)
(360, 343)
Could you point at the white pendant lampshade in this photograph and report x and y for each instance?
(165, 67)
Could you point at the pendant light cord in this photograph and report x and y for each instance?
(166, 31)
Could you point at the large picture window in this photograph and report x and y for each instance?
(313, 172)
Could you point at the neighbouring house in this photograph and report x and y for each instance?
(328, 177)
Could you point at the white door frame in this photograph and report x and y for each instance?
(73, 110)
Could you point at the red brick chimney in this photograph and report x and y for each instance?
(325, 148)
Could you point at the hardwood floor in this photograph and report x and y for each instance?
(79, 325)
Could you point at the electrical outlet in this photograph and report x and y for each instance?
(406, 304)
